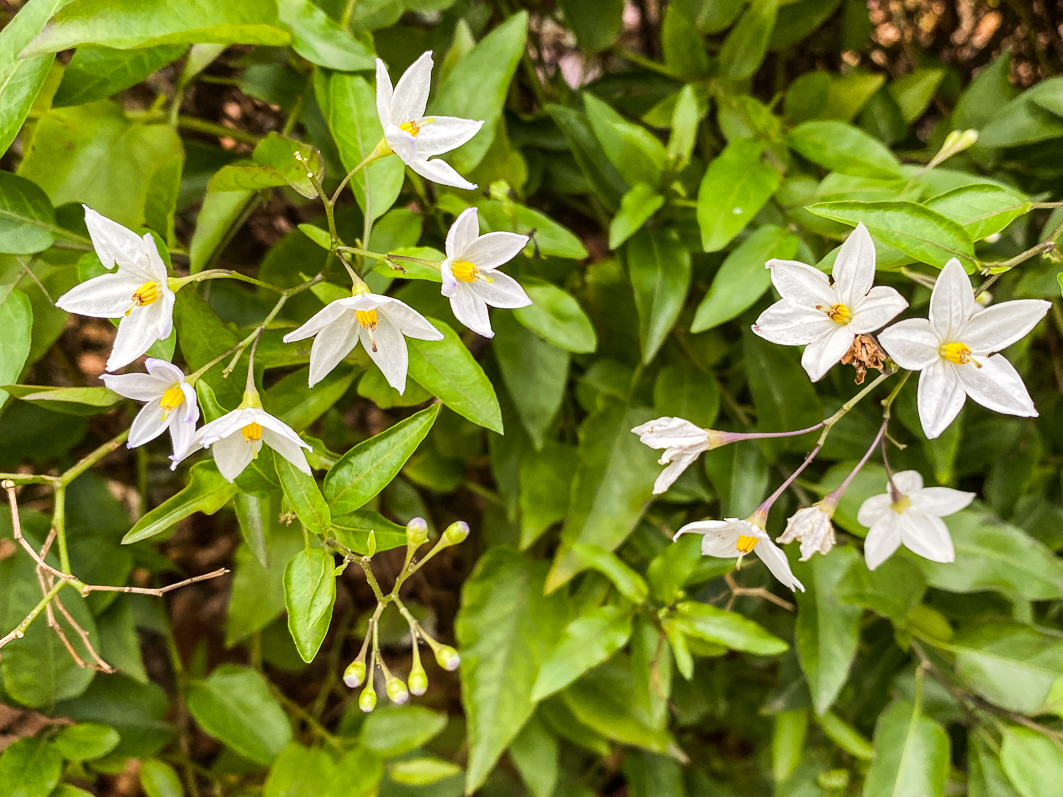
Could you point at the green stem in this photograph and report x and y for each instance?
(222, 273)
(833, 419)
(91, 459)
(214, 129)
(1047, 245)
(241, 347)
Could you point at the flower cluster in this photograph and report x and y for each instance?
(955, 350)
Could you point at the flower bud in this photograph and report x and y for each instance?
(367, 700)
(397, 691)
(354, 675)
(456, 533)
(447, 657)
(418, 680)
(416, 532)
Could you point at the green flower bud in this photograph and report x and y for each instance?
(416, 532)
(447, 657)
(418, 680)
(354, 675)
(367, 700)
(456, 533)
(397, 691)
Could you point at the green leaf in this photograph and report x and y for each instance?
(68, 400)
(159, 779)
(234, 705)
(321, 40)
(843, 148)
(422, 771)
(551, 238)
(545, 479)
(737, 184)
(702, 621)
(297, 404)
(86, 741)
(985, 774)
(603, 177)
(352, 531)
(659, 266)
(893, 589)
(21, 79)
(632, 149)
(30, 768)
(370, 466)
(783, 396)
(309, 595)
(477, 86)
(637, 206)
(318, 236)
(596, 23)
(613, 485)
(1029, 118)
(911, 754)
(981, 209)
(585, 643)
(447, 370)
(686, 392)
(129, 24)
(396, 730)
(305, 496)
(207, 492)
(506, 628)
(917, 231)
(914, 92)
(95, 73)
(535, 374)
(557, 317)
(216, 219)
(788, 742)
(257, 595)
(747, 43)
(627, 581)
(845, 736)
(710, 16)
(357, 774)
(27, 219)
(276, 163)
(827, 631)
(298, 771)
(1031, 760)
(16, 319)
(743, 278)
(535, 753)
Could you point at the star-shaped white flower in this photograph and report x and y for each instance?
(413, 136)
(171, 404)
(237, 437)
(732, 537)
(813, 528)
(138, 293)
(912, 516)
(826, 318)
(955, 351)
(379, 322)
(470, 278)
(682, 442)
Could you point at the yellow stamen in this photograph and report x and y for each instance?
(746, 544)
(367, 318)
(838, 313)
(959, 353)
(252, 432)
(900, 504)
(413, 128)
(171, 400)
(467, 272)
(148, 293)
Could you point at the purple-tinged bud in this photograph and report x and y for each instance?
(397, 691)
(367, 700)
(418, 680)
(354, 675)
(416, 532)
(447, 657)
(456, 533)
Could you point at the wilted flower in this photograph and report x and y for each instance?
(826, 318)
(812, 527)
(413, 136)
(171, 404)
(378, 321)
(682, 442)
(732, 537)
(138, 293)
(955, 348)
(910, 514)
(470, 278)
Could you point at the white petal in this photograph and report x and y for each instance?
(182, 433)
(232, 454)
(163, 312)
(802, 283)
(464, 230)
(113, 242)
(450, 282)
(927, 536)
(408, 321)
(411, 92)
(493, 249)
(668, 432)
(165, 372)
(721, 543)
(907, 482)
(286, 448)
(951, 302)
(321, 319)
(279, 427)
(775, 559)
(704, 526)
(940, 501)
(224, 426)
(331, 345)
(402, 144)
(139, 387)
(384, 94)
(883, 538)
(136, 334)
(676, 465)
(997, 327)
(148, 424)
(874, 509)
(106, 296)
(996, 386)
(189, 413)
(790, 324)
(503, 291)
(439, 172)
(471, 310)
(439, 134)
(940, 398)
(876, 309)
(824, 352)
(854, 268)
(154, 264)
(912, 344)
(390, 355)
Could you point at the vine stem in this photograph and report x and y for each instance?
(997, 270)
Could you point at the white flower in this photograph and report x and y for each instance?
(413, 136)
(233, 452)
(813, 528)
(682, 442)
(827, 318)
(378, 321)
(171, 404)
(733, 537)
(137, 293)
(955, 348)
(470, 279)
(911, 516)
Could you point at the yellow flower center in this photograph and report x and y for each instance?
(959, 353)
(413, 128)
(900, 504)
(838, 313)
(252, 432)
(147, 293)
(171, 400)
(367, 318)
(467, 272)
(746, 544)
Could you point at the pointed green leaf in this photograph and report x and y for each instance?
(207, 492)
(309, 595)
(737, 184)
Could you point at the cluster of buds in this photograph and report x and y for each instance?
(369, 659)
